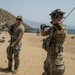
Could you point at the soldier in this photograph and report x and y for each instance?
(16, 32)
(38, 32)
(54, 64)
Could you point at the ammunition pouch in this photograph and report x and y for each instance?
(57, 48)
(51, 44)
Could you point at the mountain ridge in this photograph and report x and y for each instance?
(7, 17)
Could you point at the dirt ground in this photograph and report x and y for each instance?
(32, 55)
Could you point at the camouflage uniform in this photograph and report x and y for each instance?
(16, 49)
(54, 64)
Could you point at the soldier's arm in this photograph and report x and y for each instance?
(47, 32)
(19, 38)
(10, 32)
(60, 29)
(61, 35)
(60, 32)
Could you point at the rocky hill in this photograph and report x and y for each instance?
(6, 17)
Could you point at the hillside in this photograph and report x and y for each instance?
(7, 17)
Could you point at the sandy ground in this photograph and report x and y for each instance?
(32, 55)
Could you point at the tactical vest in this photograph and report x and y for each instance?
(54, 40)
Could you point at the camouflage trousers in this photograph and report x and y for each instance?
(50, 68)
(10, 52)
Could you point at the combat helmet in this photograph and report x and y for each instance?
(56, 13)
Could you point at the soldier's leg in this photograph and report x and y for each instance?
(46, 66)
(57, 70)
(9, 57)
(16, 59)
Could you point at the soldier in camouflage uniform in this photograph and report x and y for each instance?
(54, 64)
(16, 32)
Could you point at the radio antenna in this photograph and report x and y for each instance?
(68, 14)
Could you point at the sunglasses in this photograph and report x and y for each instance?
(19, 19)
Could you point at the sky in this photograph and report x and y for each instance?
(38, 10)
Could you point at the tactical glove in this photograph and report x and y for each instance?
(44, 26)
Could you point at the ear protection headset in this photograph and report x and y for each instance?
(55, 14)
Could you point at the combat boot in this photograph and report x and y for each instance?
(8, 69)
(44, 73)
(15, 71)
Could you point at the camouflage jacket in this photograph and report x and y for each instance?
(55, 51)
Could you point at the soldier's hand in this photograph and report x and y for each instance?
(58, 26)
(43, 26)
(12, 45)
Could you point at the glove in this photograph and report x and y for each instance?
(44, 26)
(58, 26)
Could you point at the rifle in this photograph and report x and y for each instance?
(10, 29)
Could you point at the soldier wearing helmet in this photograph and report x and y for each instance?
(54, 64)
